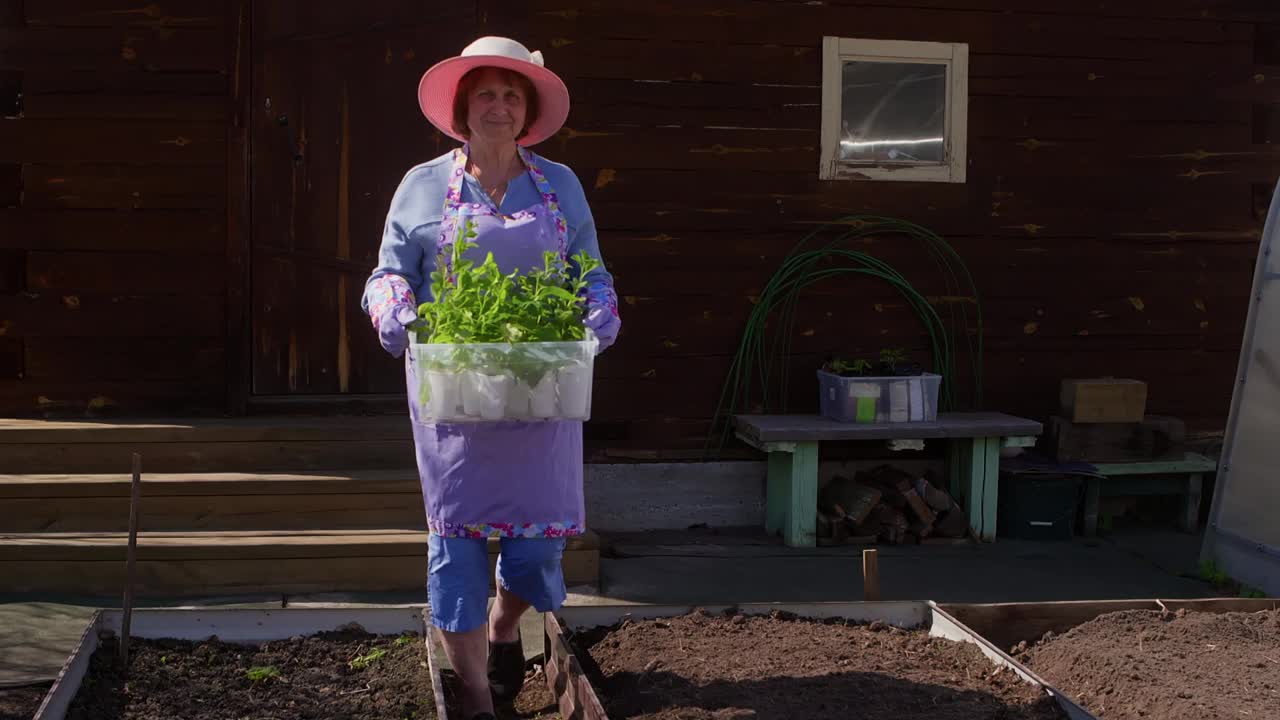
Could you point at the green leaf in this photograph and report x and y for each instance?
(262, 673)
(363, 661)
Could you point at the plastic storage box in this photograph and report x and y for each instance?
(911, 398)
(1038, 507)
(491, 382)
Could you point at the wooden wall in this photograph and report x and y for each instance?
(1120, 161)
(112, 206)
(1121, 156)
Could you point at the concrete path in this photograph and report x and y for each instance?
(37, 634)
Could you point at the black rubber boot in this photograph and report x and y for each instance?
(506, 670)
(484, 716)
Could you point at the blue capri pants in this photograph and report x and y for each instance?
(458, 577)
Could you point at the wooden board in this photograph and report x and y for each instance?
(120, 272)
(116, 485)
(203, 578)
(1155, 438)
(233, 512)
(128, 142)
(1189, 463)
(114, 13)
(226, 563)
(51, 185)
(215, 457)
(170, 232)
(784, 428)
(207, 430)
(122, 360)
(1007, 624)
(71, 314)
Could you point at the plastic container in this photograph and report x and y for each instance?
(1038, 507)
(492, 382)
(912, 398)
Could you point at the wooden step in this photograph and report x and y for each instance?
(253, 444)
(189, 564)
(213, 501)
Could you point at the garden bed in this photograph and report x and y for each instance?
(1130, 659)
(822, 660)
(354, 663)
(1180, 665)
(21, 702)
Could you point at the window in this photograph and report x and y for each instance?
(894, 110)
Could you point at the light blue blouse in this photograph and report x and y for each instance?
(409, 237)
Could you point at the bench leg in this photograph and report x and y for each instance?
(777, 491)
(1190, 521)
(1092, 492)
(791, 497)
(975, 474)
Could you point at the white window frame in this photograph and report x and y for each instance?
(955, 56)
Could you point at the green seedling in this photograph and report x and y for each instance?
(364, 661)
(1210, 573)
(262, 673)
(891, 357)
(850, 367)
(477, 303)
(404, 640)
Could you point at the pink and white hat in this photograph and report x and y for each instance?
(440, 83)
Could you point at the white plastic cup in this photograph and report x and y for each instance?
(575, 391)
(471, 392)
(518, 399)
(543, 397)
(443, 402)
(493, 391)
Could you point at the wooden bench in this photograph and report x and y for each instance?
(1169, 477)
(974, 442)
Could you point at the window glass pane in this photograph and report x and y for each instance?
(893, 112)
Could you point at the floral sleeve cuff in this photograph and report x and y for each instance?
(602, 295)
(386, 292)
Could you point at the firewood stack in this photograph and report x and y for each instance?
(887, 505)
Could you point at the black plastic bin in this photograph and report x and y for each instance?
(1037, 506)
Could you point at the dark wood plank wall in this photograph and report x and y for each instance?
(112, 221)
(1121, 158)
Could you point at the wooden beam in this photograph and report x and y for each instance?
(239, 212)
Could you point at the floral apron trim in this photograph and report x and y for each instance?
(505, 530)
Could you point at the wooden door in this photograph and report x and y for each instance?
(335, 125)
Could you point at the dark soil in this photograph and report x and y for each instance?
(21, 703)
(1166, 666)
(209, 680)
(719, 667)
(534, 701)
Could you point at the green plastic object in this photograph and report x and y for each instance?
(866, 410)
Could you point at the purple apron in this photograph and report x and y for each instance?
(500, 479)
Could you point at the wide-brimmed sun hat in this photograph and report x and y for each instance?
(440, 83)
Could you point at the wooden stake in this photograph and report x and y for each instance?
(870, 576)
(135, 492)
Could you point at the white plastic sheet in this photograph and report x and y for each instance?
(1243, 537)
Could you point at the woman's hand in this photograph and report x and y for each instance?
(393, 332)
(605, 323)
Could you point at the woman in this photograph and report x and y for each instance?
(521, 482)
